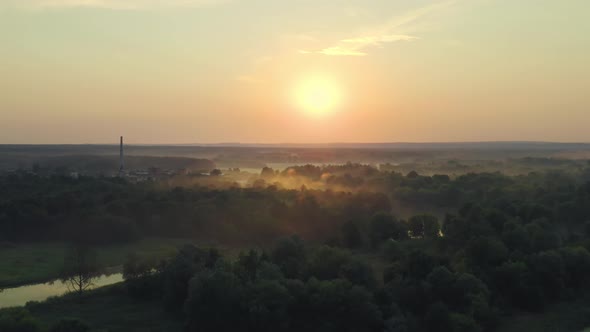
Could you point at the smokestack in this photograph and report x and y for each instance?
(121, 163)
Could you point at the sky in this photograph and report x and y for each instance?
(294, 71)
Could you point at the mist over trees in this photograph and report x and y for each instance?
(385, 252)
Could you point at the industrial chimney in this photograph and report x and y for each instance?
(121, 162)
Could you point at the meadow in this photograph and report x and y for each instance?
(27, 263)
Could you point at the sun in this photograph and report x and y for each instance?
(317, 96)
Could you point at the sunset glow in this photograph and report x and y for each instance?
(209, 71)
(318, 97)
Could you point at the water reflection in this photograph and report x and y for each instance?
(19, 296)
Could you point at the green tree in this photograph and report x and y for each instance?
(268, 304)
(69, 325)
(438, 318)
(337, 305)
(464, 323)
(326, 262)
(359, 272)
(214, 302)
(351, 235)
(80, 268)
(484, 252)
(392, 250)
(384, 226)
(577, 266)
(18, 319)
(289, 254)
(549, 270)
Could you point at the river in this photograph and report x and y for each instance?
(19, 296)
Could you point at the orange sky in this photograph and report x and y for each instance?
(208, 71)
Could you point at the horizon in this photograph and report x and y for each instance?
(247, 144)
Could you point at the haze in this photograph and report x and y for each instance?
(206, 71)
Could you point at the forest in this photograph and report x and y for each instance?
(347, 247)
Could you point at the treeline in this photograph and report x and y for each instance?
(102, 210)
(112, 210)
(106, 165)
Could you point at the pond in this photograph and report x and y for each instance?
(19, 296)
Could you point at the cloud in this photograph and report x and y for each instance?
(377, 36)
(358, 46)
(112, 4)
(341, 51)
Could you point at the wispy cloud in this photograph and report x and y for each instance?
(112, 4)
(377, 36)
(357, 46)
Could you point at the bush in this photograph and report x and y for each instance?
(17, 320)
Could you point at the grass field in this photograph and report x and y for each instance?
(108, 309)
(22, 264)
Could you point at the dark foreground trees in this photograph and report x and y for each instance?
(18, 320)
(427, 285)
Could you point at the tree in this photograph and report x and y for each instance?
(467, 289)
(215, 172)
(513, 282)
(549, 271)
(359, 272)
(577, 265)
(141, 277)
(214, 302)
(438, 318)
(17, 319)
(442, 281)
(485, 252)
(337, 305)
(419, 264)
(247, 265)
(392, 250)
(69, 325)
(179, 271)
(80, 268)
(136, 267)
(464, 323)
(326, 262)
(268, 304)
(267, 172)
(384, 226)
(289, 255)
(351, 235)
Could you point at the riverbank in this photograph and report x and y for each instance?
(33, 263)
(20, 296)
(107, 308)
(110, 308)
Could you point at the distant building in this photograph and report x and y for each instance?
(121, 160)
